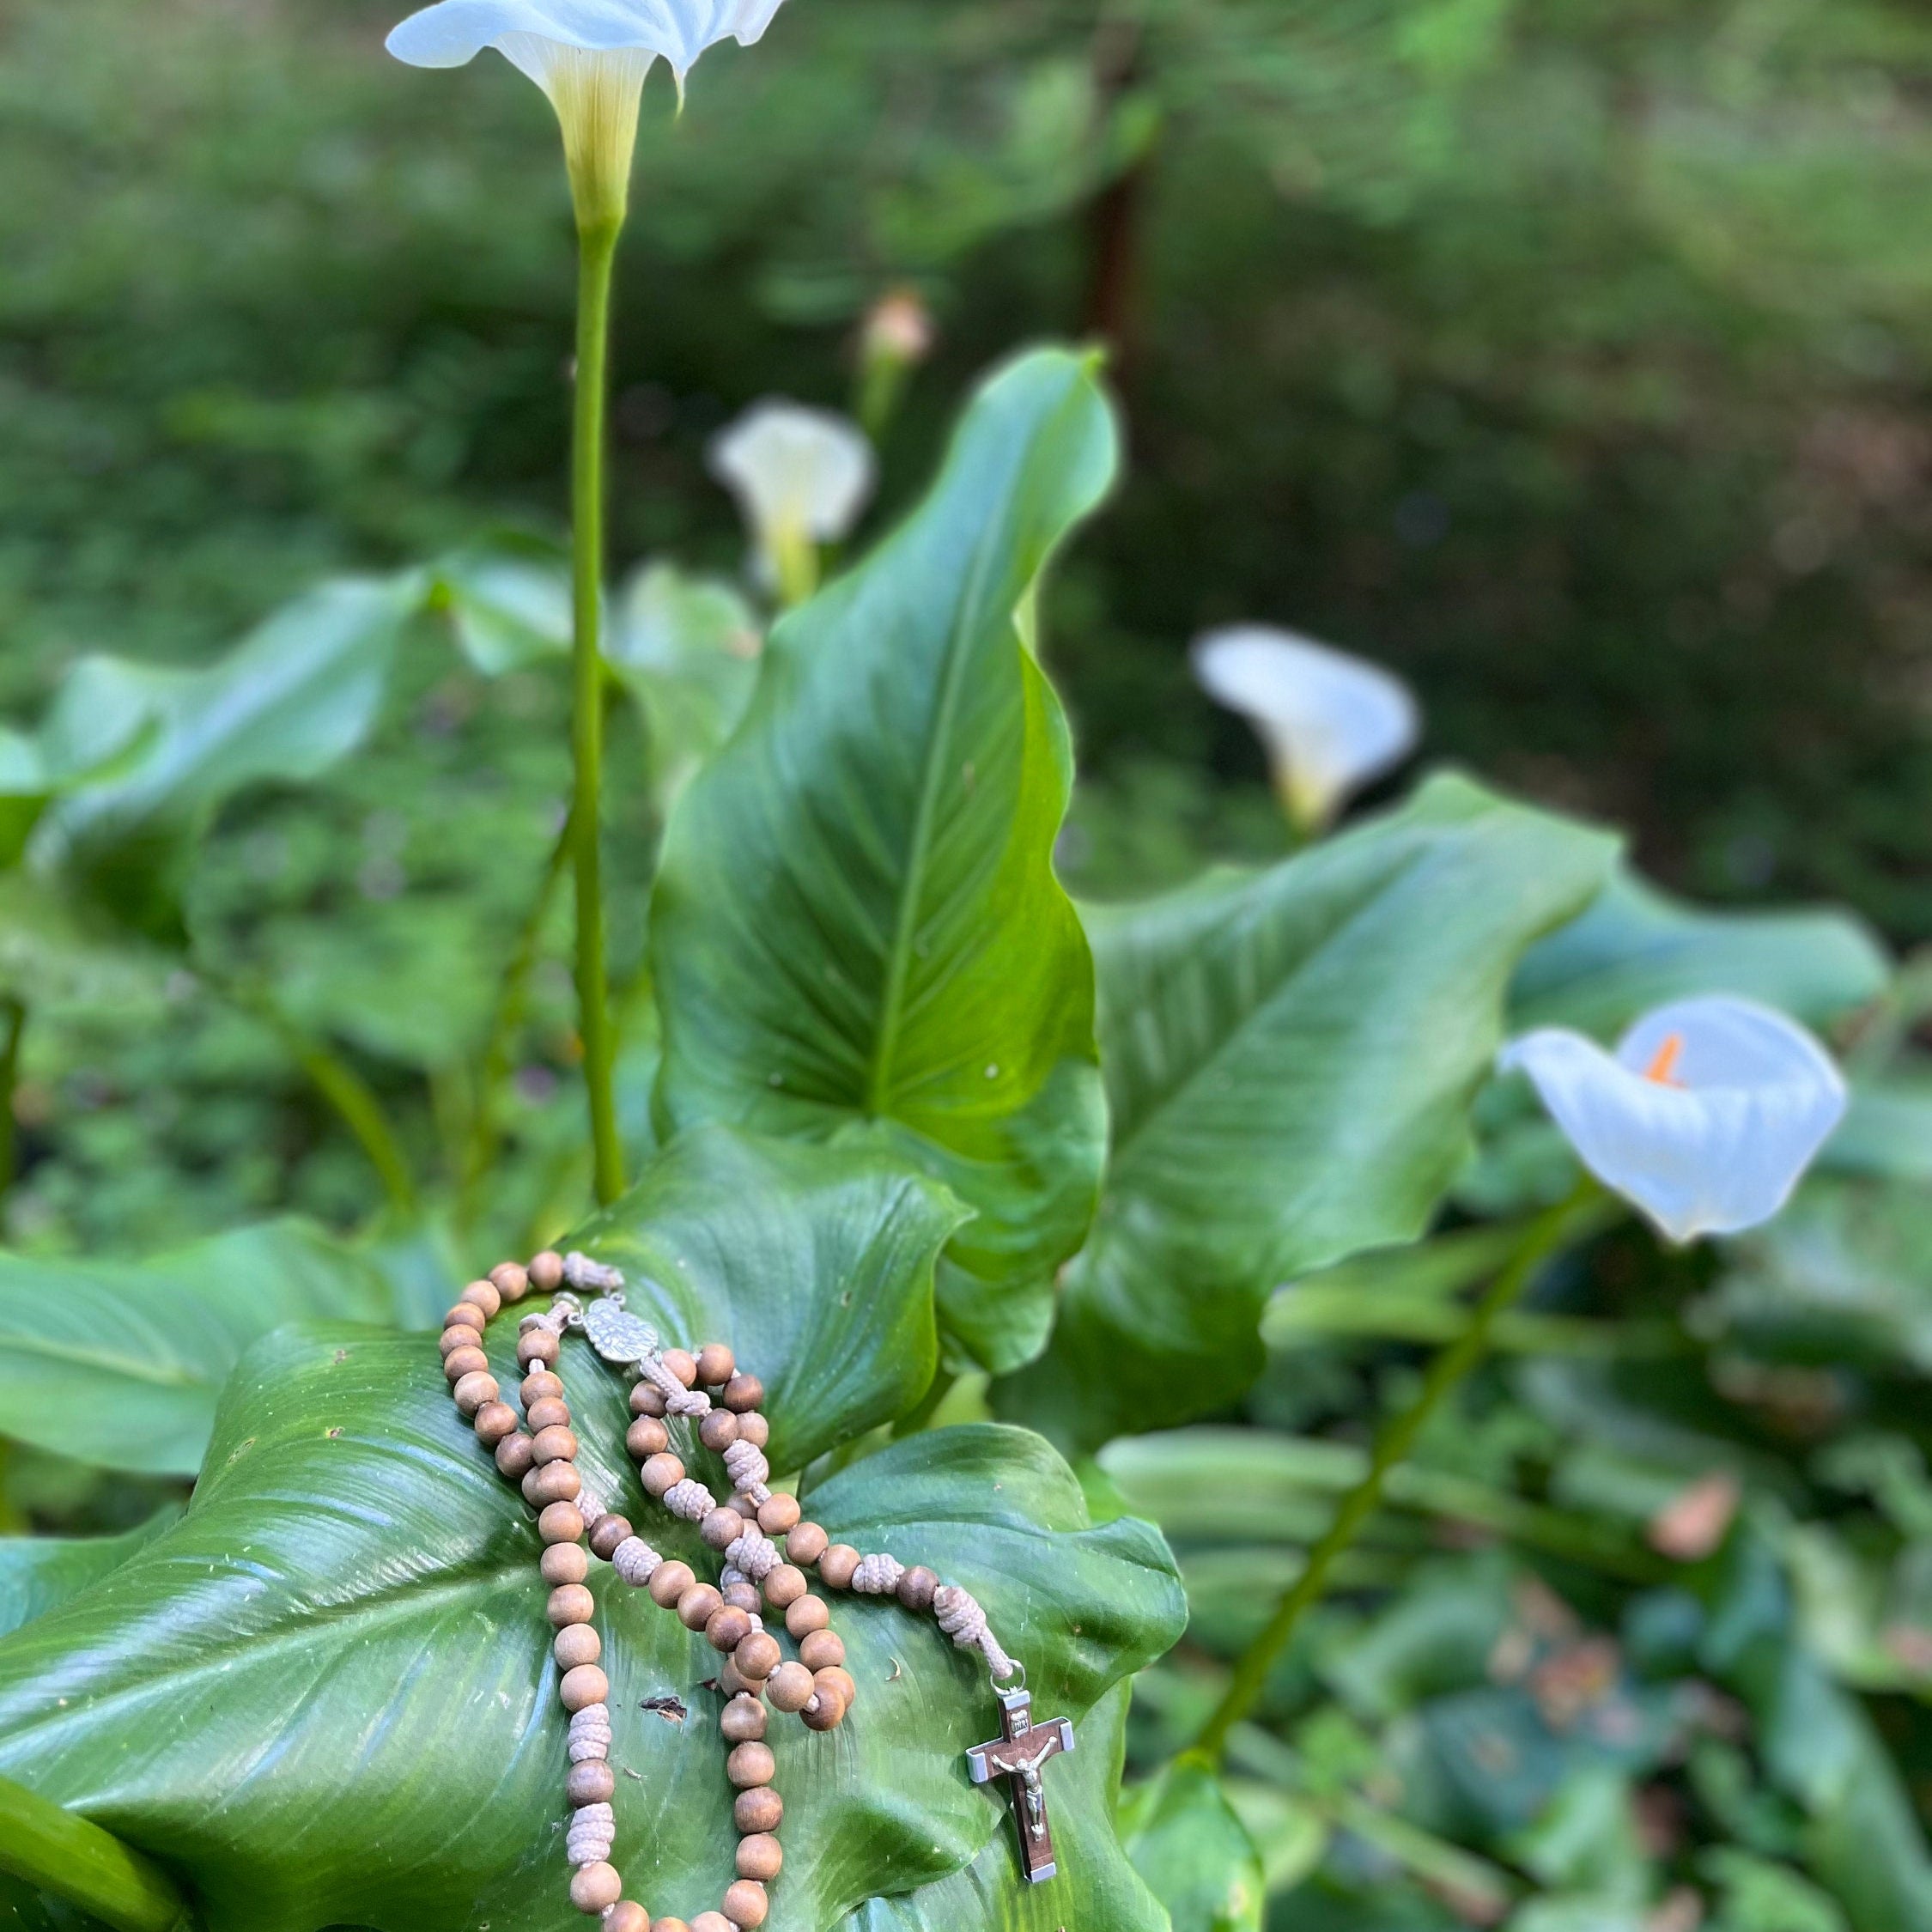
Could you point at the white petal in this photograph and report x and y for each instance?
(455, 31)
(797, 469)
(1331, 722)
(1717, 1148)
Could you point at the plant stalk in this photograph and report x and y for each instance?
(596, 252)
(58, 1852)
(1543, 1237)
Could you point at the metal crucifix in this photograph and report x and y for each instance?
(1019, 1756)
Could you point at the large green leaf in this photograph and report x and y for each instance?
(857, 929)
(1290, 1059)
(126, 1359)
(386, 1747)
(1186, 1842)
(38, 1573)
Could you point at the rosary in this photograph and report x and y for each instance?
(766, 1544)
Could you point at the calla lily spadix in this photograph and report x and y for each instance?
(801, 476)
(1331, 722)
(1704, 1118)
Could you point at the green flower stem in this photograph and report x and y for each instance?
(596, 251)
(1544, 1236)
(58, 1852)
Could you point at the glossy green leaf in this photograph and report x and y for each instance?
(857, 929)
(39, 1573)
(127, 1358)
(1637, 947)
(1186, 1841)
(1290, 1059)
(508, 603)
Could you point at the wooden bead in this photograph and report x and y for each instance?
(744, 1392)
(745, 1595)
(570, 1603)
(698, 1606)
(564, 1562)
(757, 1656)
(494, 1421)
(834, 1678)
(607, 1532)
(716, 1365)
(510, 1279)
(465, 1361)
(917, 1588)
(546, 1272)
(759, 1856)
(461, 1336)
(647, 1438)
(726, 1628)
(465, 1315)
(784, 1585)
(548, 1411)
(743, 1720)
(826, 1712)
(746, 1904)
(719, 1430)
(538, 1345)
(669, 1925)
(540, 1385)
(513, 1457)
(683, 1364)
(595, 1888)
(551, 1482)
(585, 1686)
(790, 1689)
(821, 1649)
(780, 1515)
(474, 1389)
(750, 1764)
(590, 1784)
(662, 1472)
(484, 1295)
(733, 1681)
(554, 1444)
(561, 1522)
(669, 1582)
(754, 1429)
(627, 1916)
(721, 1529)
(711, 1921)
(647, 1399)
(758, 1810)
(836, 1566)
(806, 1544)
(576, 1643)
(807, 1614)
(745, 1507)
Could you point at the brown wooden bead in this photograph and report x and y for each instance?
(647, 1438)
(627, 1916)
(647, 1399)
(807, 1614)
(759, 1856)
(743, 1720)
(821, 1649)
(541, 1385)
(917, 1588)
(719, 1430)
(683, 1364)
(546, 1272)
(721, 1529)
(484, 1295)
(513, 1456)
(564, 1562)
(745, 1595)
(744, 1392)
(465, 1315)
(538, 1345)
(561, 1522)
(576, 1643)
(661, 1472)
(752, 1428)
(757, 1656)
(465, 1361)
(607, 1532)
(834, 1677)
(510, 1279)
(590, 1784)
(494, 1421)
(474, 1390)
(570, 1603)
(745, 1507)
(826, 1712)
(784, 1584)
(585, 1686)
(733, 1682)
(595, 1888)
(806, 1544)
(699, 1605)
(750, 1764)
(778, 1516)
(555, 1444)
(758, 1810)
(669, 1925)
(790, 1688)
(837, 1564)
(669, 1582)
(460, 1335)
(716, 1365)
(727, 1627)
(548, 1411)
(711, 1921)
(551, 1482)
(746, 1904)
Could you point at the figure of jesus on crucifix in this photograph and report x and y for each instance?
(1019, 1756)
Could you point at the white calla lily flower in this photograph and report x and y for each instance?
(591, 58)
(801, 476)
(1331, 722)
(1705, 1117)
